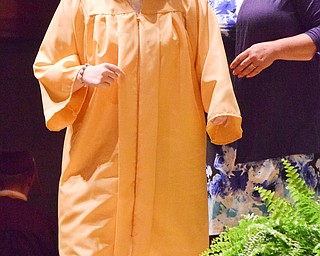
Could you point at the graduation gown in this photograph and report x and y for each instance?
(133, 176)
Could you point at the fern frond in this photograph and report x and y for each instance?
(279, 208)
(268, 241)
(303, 197)
(316, 250)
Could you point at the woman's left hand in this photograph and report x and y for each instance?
(252, 61)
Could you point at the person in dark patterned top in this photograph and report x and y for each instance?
(276, 84)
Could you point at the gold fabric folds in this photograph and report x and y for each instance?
(133, 179)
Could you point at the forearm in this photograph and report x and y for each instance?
(259, 56)
(300, 47)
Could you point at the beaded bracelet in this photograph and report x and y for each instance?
(80, 74)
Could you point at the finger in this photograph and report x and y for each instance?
(242, 56)
(246, 63)
(115, 69)
(104, 84)
(255, 72)
(111, 74)
(249, 69)
(109, 80)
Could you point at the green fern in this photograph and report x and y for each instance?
(292, 228)
(304, 199)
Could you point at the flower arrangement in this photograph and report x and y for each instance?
(292, 228)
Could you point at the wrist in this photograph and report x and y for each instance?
(81, 73)
(276, 51)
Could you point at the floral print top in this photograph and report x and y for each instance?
(226, 12)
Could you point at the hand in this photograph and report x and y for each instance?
(101, 75)
(252, 61)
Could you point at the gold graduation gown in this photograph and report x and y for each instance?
(133, 179)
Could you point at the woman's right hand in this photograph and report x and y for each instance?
(102, 75)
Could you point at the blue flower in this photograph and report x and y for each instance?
(223, 6)
(239, 180)
(217, 185)
(209, 172)
(226, 12)
(309, 175)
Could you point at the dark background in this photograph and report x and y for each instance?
(22, 126)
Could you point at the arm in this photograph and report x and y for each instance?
(57, 64)
(224, 120)
(301, 47)
(259, 56)
(60, 69)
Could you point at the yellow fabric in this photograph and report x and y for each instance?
(133, 175)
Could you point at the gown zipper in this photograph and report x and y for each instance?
(138, 123)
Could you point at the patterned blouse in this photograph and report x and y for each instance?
(226, 12)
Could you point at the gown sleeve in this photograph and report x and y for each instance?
(57, 64)
(213, 74)
(309, 15)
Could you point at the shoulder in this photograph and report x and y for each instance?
(197, 7)
(195, 3)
